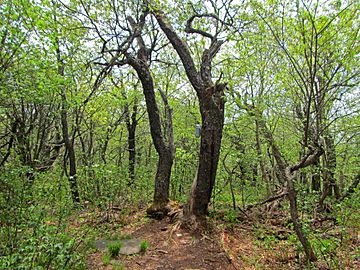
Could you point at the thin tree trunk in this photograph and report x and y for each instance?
(13, 129)
(286, 175)
(296, 221)
(315, 178)
(330, 186)
(71, 154)
(65, 131)
(131, 124)
(264, 176)
(132, 154)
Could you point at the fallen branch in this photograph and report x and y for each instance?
(270, 199)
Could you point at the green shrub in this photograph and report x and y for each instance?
(106, 259)
(114, 249)
(144, 245)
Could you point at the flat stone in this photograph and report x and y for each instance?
(103, 244)
(128, 246)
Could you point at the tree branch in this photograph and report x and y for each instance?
(181, 48)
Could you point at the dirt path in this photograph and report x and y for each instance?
(176, 249)
(229, 246)
(170, 248)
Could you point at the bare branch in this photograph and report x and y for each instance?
(189, 29)
(308, 160)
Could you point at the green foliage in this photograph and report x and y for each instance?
(144, 245)
(231, 216)
(347, 214)
(183, 173)
(33, 232)
(275, 61)
(114, 248)
(106, 258)
(117, 266)
(46, 249)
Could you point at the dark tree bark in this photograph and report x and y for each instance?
(330, 166)
(211, 101)
(10, 142)
(330, 186)
(29, 135)
(69, 145)
(296, 221)
(131, 124)
(212, 127)
(315, 178)
(165, 151)
(264, 175)
(165, 148)
(109, 134)
(140, 62)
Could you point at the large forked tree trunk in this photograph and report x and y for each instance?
(211, 101)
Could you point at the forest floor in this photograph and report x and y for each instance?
(246, 245)
(223, 247)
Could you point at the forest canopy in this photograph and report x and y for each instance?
(202, 112)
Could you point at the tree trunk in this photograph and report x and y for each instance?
(330, 186)
(131, 124)
(132, 154)
(304, 181)
(165, 152)
(315, 182)
(331, 166)
(212, 112)
(295, 219)
(65, 131)
(286, 177)
(71, 155)
(13, 129)
(165, 149)
(161, 195)
(264, 176)
(211, 101)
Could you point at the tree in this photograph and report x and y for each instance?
(211, 102)
(318, 77)
(130, 49)
(29, 106)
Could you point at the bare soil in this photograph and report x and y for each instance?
(172, 247)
